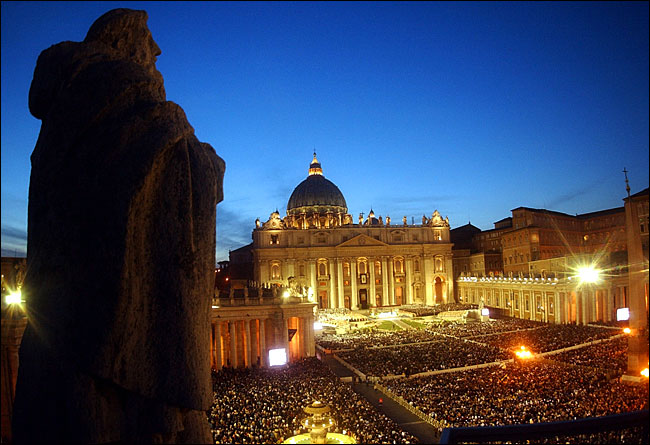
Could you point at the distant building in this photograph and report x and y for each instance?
(372, 262)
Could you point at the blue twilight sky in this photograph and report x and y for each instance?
(469, 108)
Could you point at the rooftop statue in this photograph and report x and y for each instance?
(121, 242)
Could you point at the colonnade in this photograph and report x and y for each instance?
(547, 300)
(238, 339)
(384, 280)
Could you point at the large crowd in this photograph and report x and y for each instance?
(419, 310)
(550, 337)
(523, 392)
(424, 357)
(266, 405)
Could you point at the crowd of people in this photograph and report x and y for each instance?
(550, 337)
(266, 405)
(518, 393)
(375, 337)
(424, 311)
(608, 356)
(412, 359)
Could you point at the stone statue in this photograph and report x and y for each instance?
(404, 220)
(121, 243)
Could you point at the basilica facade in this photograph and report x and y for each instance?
(368, 263)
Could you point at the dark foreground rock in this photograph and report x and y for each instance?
(121, 245)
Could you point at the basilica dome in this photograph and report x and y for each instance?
(316, 194)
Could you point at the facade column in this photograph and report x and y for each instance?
(304, 340)
(385, 297)
(217, 344)
(391, 283)
(233, 344)
(371, 271)
(312, 277)
(427, 271)
(354, 298)
(285, 336)
(339, 282)
(262, 333)
(311, 344)
(333, 299)
(449, 279)
(408, 298)
(247, 343)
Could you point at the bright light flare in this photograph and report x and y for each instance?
(485, 311)
(318, 326)
(588, 274)
(622, 314)
(277, 357)
(15, 297)
(644, 373)
(285, 294)
(523, 353)
(627, 330)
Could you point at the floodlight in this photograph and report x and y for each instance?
(622, 314)
(277, 357)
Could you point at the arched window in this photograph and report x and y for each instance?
(275, 271)
(346, 269)
(322, 269)
(416, 265)
(377, 268)
(439, 264)
(399, 265)
(362, 267)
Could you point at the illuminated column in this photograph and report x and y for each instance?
(310, 336)
(255, 343)
(304, 340)
(333, 300)
(264, 271)
(247, 343)
(371, 267)
(557, 309)
(312, 277)
(427, 267)
(385, 301)
(610, 305)
(449, 279)
(409, 280)
(339, 281)
(263, 342)
(285, 335)
(234, 362)
(217, 344)
(354, 298)
(391, 283)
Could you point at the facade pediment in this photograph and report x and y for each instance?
(362, 240)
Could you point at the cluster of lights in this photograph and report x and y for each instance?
(14, 297)
(551, 281)
(523, 353)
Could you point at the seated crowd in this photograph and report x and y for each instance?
(266, 405)
(425, 311)
(550, 337)
(526, 392)
(412, 359)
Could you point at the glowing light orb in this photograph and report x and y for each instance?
(14, 298)
(622, 314)
(627, 330)
(523, 353)
(588, 274)
(644, 373)
(485, 311)
(318, 326)
(277, 357)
